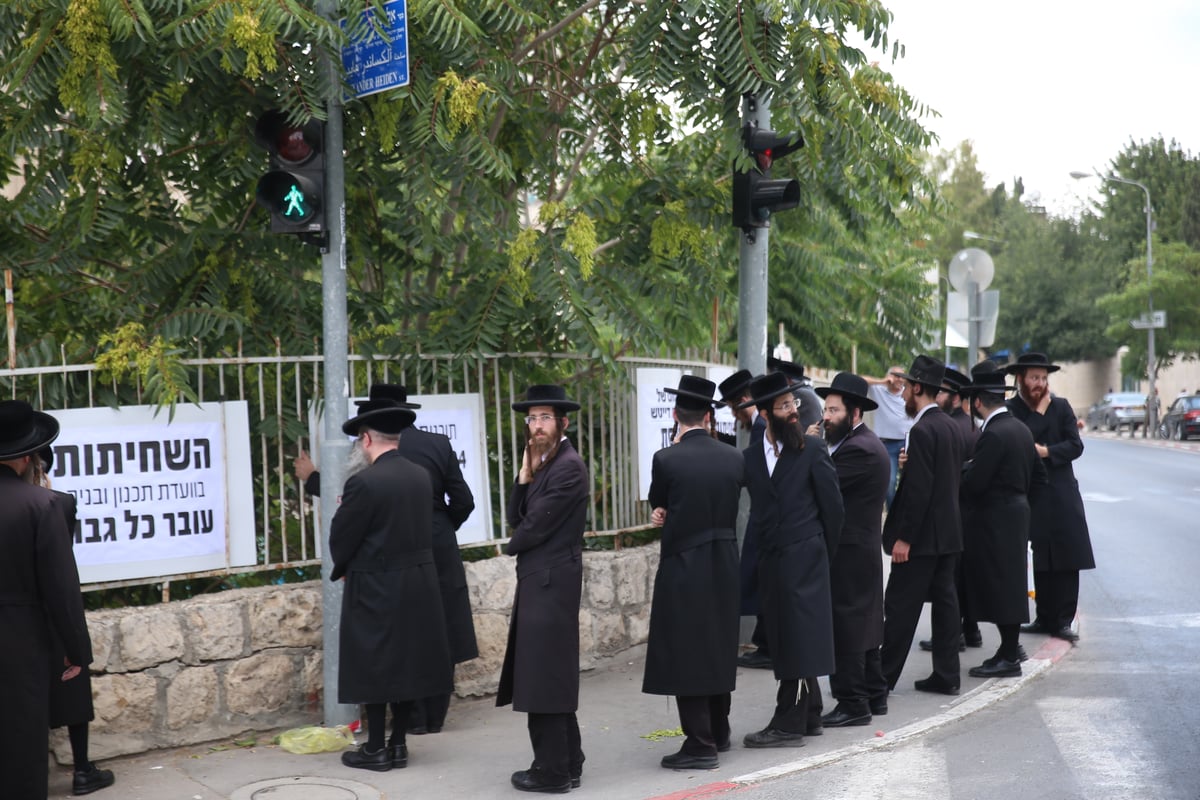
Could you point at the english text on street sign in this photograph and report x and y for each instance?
(1155, 319)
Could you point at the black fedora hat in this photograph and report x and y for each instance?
(767, 387)
(954, 380)
(23, 430)
(735, 385)
(986, 377)
(794, 371)
(851, 387)
(546, 394)
(1027, 360)
(389, 391)
(694, 392)
(385, 416)
(927, 371)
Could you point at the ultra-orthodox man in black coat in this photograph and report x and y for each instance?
(70, 701)
(393, 635)
(693, 640)
(39, 598)
(541, 664)
(995, 486)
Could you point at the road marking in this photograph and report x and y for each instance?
(1100, 497)
(1161, 620)
(1093, 735)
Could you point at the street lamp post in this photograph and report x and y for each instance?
(1151, 366)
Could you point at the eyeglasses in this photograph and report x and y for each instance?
(545, 419)
(786, 405)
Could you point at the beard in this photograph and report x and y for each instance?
(788, 432)
(543, 444)
(947, 405)
(1034, 393)
(357, 461)
(910, 406)
(836, 431)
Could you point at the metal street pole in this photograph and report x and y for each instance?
(334, 445)
(1151, 360)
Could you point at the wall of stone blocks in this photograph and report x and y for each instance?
(221, 665)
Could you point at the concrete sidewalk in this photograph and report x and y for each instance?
(482, 745)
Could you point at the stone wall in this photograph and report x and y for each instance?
(250, 659)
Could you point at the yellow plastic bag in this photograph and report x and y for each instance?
(315, 739)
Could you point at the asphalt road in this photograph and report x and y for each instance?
(1117, 717)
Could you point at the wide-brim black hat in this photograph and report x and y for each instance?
(390, 391)
(851, 387)
(927, 371)
(954, 380)
(794, 371)
(546, 394)
(23, 430)
(695, 392)
(986, 377)
(1028, 360)
(385, 416)
(766, 387)
(735, 385)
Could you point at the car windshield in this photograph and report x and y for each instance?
(1189, 403)
(1127, 399)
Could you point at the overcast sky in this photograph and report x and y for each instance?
(1044, 88)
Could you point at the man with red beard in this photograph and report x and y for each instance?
(863, 471)
(547, 511)
(923, 535)
(797, 507)
(1058, 529)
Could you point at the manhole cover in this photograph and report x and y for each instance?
(306, 788)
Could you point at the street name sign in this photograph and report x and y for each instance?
(375, 64)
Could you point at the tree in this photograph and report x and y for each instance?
(127, 127)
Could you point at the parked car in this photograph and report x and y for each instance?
(1095, 416)
(1119, 409)
(1182, 420)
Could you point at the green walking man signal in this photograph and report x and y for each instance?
(294, 187)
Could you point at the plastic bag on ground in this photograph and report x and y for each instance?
(315, 739)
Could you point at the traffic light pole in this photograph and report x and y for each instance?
(335, 446)
(752, 271)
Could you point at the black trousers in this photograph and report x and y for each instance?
(909, 584)
(429, 713)
(798, 706)
(1056, 597)
(705, 723)
(557, 747)
(858, 679)
(759, 637)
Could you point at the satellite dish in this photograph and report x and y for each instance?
(971, 265)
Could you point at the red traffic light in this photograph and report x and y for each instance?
(292, 144)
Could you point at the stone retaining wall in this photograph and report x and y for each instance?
(250, 659)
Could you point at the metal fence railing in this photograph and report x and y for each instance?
(280, 390)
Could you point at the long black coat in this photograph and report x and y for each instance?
(966, 424)
(798, 510)
(995, 487)
(70, 701)
(748, 569)
(452, 504)
(1058, 529)
(39, 597)
(692, 648)
(541, 664)
(863, 471)
(925, 510)
(393, 634)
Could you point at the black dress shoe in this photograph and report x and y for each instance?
(725, 746)
(1035, 627)
(379, 761)
(996, 668)
(418, 730)
(91, 779)
(755, 659)
(682, 760)
(577, 781)
(1066, 634)
(973, 638)
(399, 753)
(839, 718)
(927, 645)
(935, 685)
(878, 706)
(530, 780)
(773, 737)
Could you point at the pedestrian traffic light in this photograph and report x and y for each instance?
(755, 195)
(293, 190)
